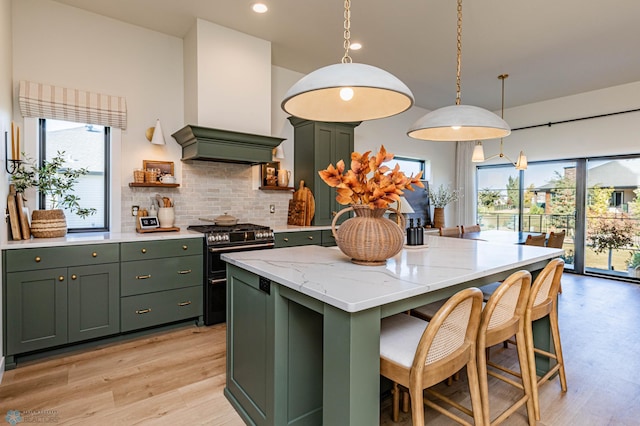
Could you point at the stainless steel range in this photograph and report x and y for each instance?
(226, 239)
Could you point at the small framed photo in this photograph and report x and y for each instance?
(163, 167)
(270, 173)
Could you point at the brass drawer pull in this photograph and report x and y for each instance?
(143, 311)
(144, 250)
(143, 277)
(94, 254)
(74, 277)
(184, 303)
(188, 271)
(286, 240)
(184, 247)
(37, 259)
(61, 278)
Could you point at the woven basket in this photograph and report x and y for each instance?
(151, 176)
(369, 238)
(138, 176)
(48, 223)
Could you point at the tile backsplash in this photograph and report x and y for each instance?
(209, 189)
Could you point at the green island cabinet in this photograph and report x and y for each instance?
(160, 282)
(318, 144)
(322, 237)
(59, 295)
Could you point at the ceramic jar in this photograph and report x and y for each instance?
(166, 217)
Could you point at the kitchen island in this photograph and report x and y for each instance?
(303, 323)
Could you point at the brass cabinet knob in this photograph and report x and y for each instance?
(143, 277)
(187, 303)
(311, 237)
(38, 259)
(184, 247)
(144, 250)
(61, 278)
(94, 254)
(286, 240)
(143, 311)
(74, 277)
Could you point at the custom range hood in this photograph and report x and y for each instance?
(204, 143)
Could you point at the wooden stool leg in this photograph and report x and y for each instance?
(405, 402)
(396, 402)
(555, 333)
(523, 360)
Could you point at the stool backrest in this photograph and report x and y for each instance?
(556, 239)
(535, 240)
(452, 231)
(470, 228)
(544, 291)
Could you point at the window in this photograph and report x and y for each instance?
(84, 145)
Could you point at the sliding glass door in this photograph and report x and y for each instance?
(595, 201)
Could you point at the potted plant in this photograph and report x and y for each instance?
(633, 265)
(440, 198)
(57, 183)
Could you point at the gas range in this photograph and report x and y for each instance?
(241, 234)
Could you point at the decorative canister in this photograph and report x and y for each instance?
(48, 223)
(369, 238)
(166, 217)
(438, 217)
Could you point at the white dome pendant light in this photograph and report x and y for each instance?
(459, 122)
(346, 91)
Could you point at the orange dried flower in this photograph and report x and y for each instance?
(384, 186)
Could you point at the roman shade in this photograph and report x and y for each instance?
(60, 103)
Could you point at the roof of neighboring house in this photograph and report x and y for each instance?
(614, 173)
(87, 146)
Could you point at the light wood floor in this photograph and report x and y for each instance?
(177, 377)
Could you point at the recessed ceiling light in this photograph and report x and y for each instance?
(259, 7)
(355, 46)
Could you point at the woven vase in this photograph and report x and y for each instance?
(438, 217)
(368, 238)
(48, 223)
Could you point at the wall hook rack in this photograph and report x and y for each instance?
(11, 166)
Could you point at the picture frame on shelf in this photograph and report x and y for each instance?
(163, 167)
(270, 173)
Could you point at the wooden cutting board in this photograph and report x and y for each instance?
(296, 214)
(24, 220)
(304, 194)
(14, 219)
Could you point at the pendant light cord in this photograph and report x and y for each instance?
(459, 53)
(346, 59)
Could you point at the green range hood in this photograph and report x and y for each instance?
(204, 143)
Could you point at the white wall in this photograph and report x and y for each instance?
(233, 79)
(5, 120)
(74, 48)
(619, 134)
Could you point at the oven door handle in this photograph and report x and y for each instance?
(239, 248)
(218, 281)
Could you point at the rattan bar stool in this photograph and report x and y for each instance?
(417, 355)
(543, 302)
(503, 316)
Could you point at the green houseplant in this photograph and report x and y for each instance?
(633, 265)
(57, 183)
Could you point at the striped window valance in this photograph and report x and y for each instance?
(46, 101)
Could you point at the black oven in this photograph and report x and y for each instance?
(226, 239)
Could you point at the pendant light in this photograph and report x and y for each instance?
(346, 91)
(478, 151)
(459, 122)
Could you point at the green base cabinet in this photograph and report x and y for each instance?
(302, 238)
(161, 282)
(263, 330)
(318, 144)
(56, 296)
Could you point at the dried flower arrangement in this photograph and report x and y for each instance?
(443, 196)
(384, 186)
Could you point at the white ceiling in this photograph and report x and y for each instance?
(550, 48)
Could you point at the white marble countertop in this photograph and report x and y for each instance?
(326, 274)
(99, 238)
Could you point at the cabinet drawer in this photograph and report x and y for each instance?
(56, 257)
(328, 240)
(159, 249)
(151, 309)
(302, 238)
(147, 276)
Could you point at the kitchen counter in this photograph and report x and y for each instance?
(313, 317)
(98, 238)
